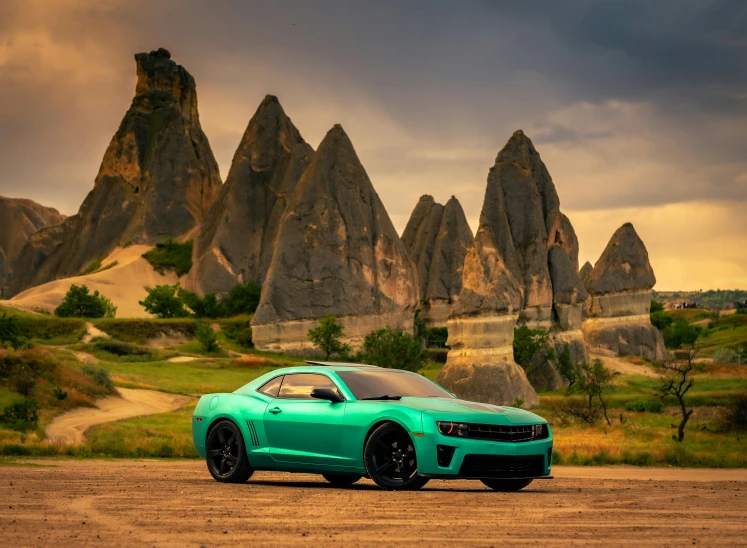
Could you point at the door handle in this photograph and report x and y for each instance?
(275, 410)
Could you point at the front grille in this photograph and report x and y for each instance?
(502, 466)
(493, 432)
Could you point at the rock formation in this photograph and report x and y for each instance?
(437, 238)
(157, 180)
(19, 219)
(522, 268)
(585, 271)
(237, 239)
(618, 309)
(336, 253)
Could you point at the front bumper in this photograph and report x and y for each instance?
(483, 459)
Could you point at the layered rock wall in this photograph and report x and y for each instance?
(617, 312)
(437, 238)
(336, 254)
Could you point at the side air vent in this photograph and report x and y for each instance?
(252, 434)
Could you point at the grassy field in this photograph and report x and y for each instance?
(138, 354)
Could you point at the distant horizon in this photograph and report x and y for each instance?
(637, 110)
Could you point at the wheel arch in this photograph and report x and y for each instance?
(378, 423)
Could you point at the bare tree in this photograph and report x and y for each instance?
(585, 398)
(676, 380)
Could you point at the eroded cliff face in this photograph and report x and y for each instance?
(19, 219)
(336, 254)
(157, 179)
(437, 238)
(237, 239)
(618, 309)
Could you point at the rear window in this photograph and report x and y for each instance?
(374, 384)
(271, 387)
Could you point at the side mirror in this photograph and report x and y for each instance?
(326, 394)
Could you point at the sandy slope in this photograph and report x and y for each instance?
(69, 427)
(623, 367)
(175, 502)
(124, 284)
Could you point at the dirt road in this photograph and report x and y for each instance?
(69, 427)
(176, 503)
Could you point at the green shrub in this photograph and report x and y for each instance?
(735, 416)
(101, 376)
(79, 303)
(242, 299)
(22, 415)
(10, 332)
(680, 333)
(644, 406)
(59, 393)
(128, 351)
(529, 343)
(238, 331)
(661, 320)
(163, 302)
(25, 385)
(393, 349)
(327, 337)
(51, 328)
(207, 307)
(171, 255)
(207, 337)
(656, 306)
(436, 337)
(34, 363)
(92, 267)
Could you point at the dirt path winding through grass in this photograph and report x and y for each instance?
(69, 427)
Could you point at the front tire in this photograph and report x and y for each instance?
(226, 454)
(389, 456)
(506, 485)
(341, 480)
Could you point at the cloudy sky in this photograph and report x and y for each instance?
(638, 108)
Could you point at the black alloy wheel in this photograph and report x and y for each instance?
(507, 485)
(342, 480)
(226, 454)
(390, 459)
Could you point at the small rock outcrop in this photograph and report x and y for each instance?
(437, 238)
(336, 254)
(585, 271)
(618, 310)
(19, 219)
(237, 239)
(158, 179)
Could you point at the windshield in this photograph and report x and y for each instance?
(375, 384)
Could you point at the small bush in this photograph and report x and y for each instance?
(163, 302)
(207, 337)
(79, 303)
(327, 337)
(393, 349)
(101, 376)
(33, 363)
(171, 255)
(726, 355)
(207, 307)
(122, 349)
(529, 343)
(140, 330)
(238, 331)
(436, 337)
(735, 416)
(680, 333)
(661, 320)
(644, 406)
(10, 332)
(656, 306)
(22, 415)
(242, 299)
(25, 385)
(59, 393)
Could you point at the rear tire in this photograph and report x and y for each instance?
(342, 480)
(506, 485)
(389, 456)
(226, 454)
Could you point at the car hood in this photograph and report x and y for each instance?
(469, 411)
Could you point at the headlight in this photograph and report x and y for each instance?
(458, 429)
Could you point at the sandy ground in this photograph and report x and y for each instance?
(623, 367)
(124, 284)
(69, 427)
(176, 503)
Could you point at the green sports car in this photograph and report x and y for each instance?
(347, 421)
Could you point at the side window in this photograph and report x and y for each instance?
(300, 385)
(271, 387)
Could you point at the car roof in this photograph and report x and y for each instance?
(341, 366)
